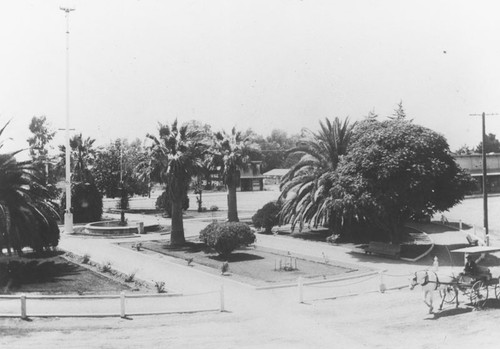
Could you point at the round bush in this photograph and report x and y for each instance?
(226, 237)
(268, 216)
(163, 202)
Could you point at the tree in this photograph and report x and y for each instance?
(399, 112)
(274, 149)
(86, 200)
(231, 152)
(175, 158)
(464, 150)
(492, 145)
(394, 171)
(118, 161)
(302, 188)
(27, 216)
(42, 134)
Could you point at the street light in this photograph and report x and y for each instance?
(68, 216)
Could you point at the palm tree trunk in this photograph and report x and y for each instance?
(232, 207)
(177, 234)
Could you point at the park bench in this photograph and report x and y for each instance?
(383, 249)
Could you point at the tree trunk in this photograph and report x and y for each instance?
(177, 233)
(232, 207)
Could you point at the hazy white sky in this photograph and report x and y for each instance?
(262, 64)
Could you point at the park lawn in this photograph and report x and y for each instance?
(54, 274)
(256, 266)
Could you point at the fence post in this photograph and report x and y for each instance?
(23, 307)
(301, 289)
(460, 224)
(222, 307)
(382, 286)
(435, 264)
(122, 304)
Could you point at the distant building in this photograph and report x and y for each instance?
(251, 179)
(274, 176)
(473, 164)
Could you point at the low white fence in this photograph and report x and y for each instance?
(380, 281)
(104, 306)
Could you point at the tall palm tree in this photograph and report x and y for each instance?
(86, 200)
(230, 153)
(305, 188)
(83, 155)
(27, 217)
(176, 157)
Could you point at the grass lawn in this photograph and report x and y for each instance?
(54, 274)
(255, 266)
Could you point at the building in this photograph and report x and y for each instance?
(251, 179)
(273, 177)
(473, 164)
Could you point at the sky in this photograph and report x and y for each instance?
(260, 64)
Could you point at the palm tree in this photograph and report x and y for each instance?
(27, 217)
(86, 200)
(175, 158)
(305, 188)
(230, 153)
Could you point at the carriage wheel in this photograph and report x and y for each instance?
(497, 291)
(479, 294)
(448, 294)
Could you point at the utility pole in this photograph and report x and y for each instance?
(485, 180)
(68, 215)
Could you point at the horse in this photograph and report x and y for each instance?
(430, 282)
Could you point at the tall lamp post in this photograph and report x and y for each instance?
(68, 215)
(485, 178)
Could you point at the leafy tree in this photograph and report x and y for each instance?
(118, 161)
(274, 149)
(175, 158)
(464, 150)
(230, 153)
(27, 216)
(42, 134)
(491, 145)
(394, 171)
(302, 189)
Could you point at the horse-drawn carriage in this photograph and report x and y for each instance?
(477, 284)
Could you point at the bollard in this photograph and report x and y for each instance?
(435, 264)
(460, 224)
(140, 227)
(382, 286)
(222, 308)
(23, 307)
(301, 289)
(122, 304)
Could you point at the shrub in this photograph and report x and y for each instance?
(214, 208)
(86, 202)
(224, 238)
(86, 258)
(164, 203)
(267, 217)
(106, 267)
(160, 286)
(130, 277)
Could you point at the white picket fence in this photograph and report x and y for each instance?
(100, 305)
